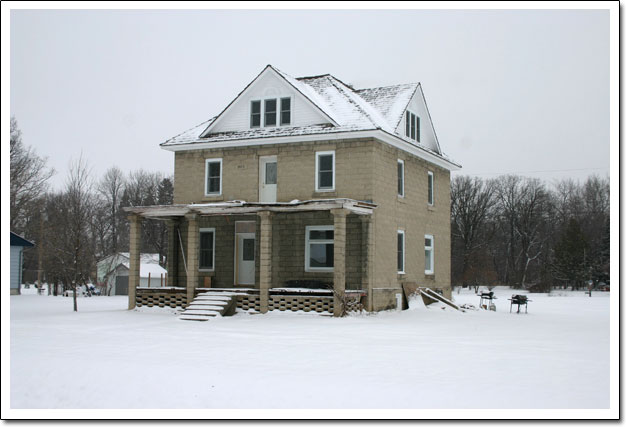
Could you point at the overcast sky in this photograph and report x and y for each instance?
(509, 90)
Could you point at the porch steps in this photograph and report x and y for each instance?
(210, 304)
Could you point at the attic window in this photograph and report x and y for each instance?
(255, 114)
(268, 109)
(412, 126)
(270, 112)
(285, 111)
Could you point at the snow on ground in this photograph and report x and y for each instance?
(104, 356)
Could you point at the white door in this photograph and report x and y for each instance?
(245, 258)
(268, 177)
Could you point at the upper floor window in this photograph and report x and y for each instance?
(412, 126)
(400, 178)
(255, 114)
(285, 111)
(271, 111)
(431, 188)
(325, 171)
(213, 177)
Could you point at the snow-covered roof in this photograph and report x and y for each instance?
(347, 110)
(154, 270)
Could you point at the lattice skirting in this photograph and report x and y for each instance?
(249, 302)
(303, 303)
(161, 299)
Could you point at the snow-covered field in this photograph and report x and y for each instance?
(104, 356)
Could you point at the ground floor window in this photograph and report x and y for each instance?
(401, 251)
(429, 254)
(206, 256)
(319, 249)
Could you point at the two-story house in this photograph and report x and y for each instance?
(301, 184)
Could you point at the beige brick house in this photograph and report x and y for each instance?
(303, 191)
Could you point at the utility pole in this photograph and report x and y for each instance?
(40, 253)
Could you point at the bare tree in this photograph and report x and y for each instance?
(110, 188)
(28, 177)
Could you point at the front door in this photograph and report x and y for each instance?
(245, 259)
(268, 177)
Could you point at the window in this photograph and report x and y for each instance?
(412, 126)
(325, 171)
(285, 111)
(429, 254)
(207, 249)
(270, 112)
(400, 178)
(213, 177)
(255, 114)
(319, 249)
(401, 251)
(431, 188)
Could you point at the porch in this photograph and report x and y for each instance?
(311, 255)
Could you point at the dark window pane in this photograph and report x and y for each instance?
(206, 250)
(400, 179)
(270, 112)
(248, 250)
(326, 180)
(270, 173)
(285, 111)
(400, 252)
(417, 120)
(321, 255)
(321, 235)
(214, 169)
(412, 126)
(430, 189)
(408, 123)
(255, 114)
(326, 162)
(427, 242)
(214, 185)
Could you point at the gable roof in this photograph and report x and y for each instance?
(347, 110)
(17, 240)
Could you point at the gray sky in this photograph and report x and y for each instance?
(508, 90)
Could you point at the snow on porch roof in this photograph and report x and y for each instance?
(242, 207)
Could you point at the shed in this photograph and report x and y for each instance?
(18, 244)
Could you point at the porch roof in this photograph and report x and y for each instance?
(238, 207)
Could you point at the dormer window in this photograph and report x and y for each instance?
(412, 126)
(270, 113)
(255, 114)
(271, 110)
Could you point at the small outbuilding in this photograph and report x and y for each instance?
(113, 273)
(18, 244)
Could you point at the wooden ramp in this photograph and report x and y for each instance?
(429, 296)
(210, 304)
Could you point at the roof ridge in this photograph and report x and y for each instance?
(372, 121)
(387, 86)
(312, 77)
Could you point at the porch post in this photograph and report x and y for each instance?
(367, 257)
(339, 261)
(133, 268)
(193, 235)
(172, 252)
(265, 262)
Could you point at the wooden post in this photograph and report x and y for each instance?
(367, 258)
(193, 237)
(149, 278)
(265, 262)
(339, 261)
(135, 248)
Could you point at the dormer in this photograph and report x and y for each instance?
(272, 100)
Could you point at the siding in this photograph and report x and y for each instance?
(16, 267)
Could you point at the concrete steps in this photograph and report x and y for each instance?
(210, 304)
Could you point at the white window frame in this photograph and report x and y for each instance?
(278, 115)
(317, 171)
(308, 228)
(280, 110)
(401, 232)
(206, 176)
(401, 162)
(418, 125)
(432, 253)
(206, 230)
(431, 188)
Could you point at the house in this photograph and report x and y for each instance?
(112, 273)
(306, 194)
(18, 244)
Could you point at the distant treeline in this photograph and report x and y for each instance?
(516, 231)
